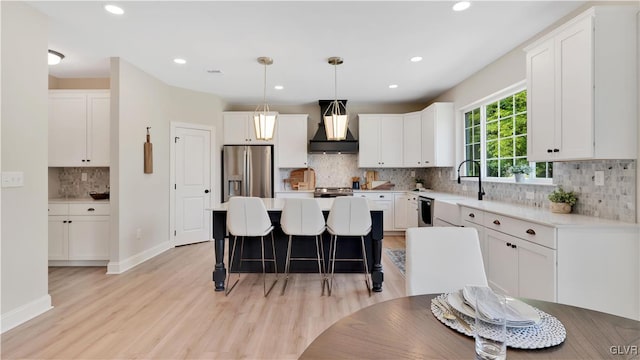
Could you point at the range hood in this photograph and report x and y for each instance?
(320, 144)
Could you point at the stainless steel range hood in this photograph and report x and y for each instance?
(320, 145)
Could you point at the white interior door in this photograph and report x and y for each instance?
(192, 185)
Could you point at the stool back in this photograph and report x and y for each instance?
(302, 217)
(247, 216)
(349, 216)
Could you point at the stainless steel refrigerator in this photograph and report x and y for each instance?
(247, 170)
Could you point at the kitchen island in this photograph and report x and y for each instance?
(300, 248)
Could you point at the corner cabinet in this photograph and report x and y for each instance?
(581, 98)
(380, 141)
(238, 129)
(292, 142)
(79, 123)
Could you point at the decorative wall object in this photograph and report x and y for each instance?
(148, 154)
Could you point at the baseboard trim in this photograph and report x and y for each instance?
(118, 267)
(25, 313)
(78, 262)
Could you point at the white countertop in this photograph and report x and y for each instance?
(77, 200)
(541, 216)
(277, 204)
(295, 191)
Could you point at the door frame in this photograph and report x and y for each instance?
(172, 172)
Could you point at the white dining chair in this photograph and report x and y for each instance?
(349, 216)
(248, 217)
(442, 260)
(303, 218)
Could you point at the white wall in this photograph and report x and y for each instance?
(140, 202)
(24, 148)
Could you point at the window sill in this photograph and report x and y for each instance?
(510, 181)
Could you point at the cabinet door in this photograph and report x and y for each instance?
(368, 153)
(391, 141)
(235, 128)
(400, 211)
(292, 141)
(412, 211)
(428, 136)
(574, 81)
(541, 102)
(67, 129)
(503, 262)
(412, 140)
(536, 271)
(98, 125)
(89, 238)
(58, 233)
(483, 243)
(387, 214)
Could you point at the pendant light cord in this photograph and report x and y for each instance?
(264, 93)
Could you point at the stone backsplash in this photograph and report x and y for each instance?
(67, 182)
(616, 200)
(336, 170)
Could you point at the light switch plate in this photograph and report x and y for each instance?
(12, 179)
(599, 178)
(83, 177)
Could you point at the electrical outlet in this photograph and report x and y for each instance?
(529, 195)
(12, 179)
(599, 178)
(83, 177)
(413, 174)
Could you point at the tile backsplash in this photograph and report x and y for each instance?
(67, 182)
(616, 200)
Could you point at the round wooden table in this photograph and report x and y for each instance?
(405, 328)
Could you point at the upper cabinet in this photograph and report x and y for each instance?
(238, 129)
(292, 142)
(380, 141)
(582, 95)
(79, 127)
(412, 140)
(437, 135)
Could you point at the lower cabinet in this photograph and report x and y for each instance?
(385, 202)
(483, 242)
(405, 210)
(76, 236)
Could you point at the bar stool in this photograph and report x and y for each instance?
(303, 217)
(349, 216)
(248, 217)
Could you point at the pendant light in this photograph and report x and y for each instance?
(336, 119)
(264, 121)
(54, 57)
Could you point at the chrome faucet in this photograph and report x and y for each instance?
(477, 164)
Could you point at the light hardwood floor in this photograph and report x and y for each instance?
(166, 308)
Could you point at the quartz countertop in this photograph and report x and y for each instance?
(537, 215)
(77, 200)
(277, 204)
(295, 191)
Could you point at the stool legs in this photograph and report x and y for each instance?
(233, 253)
(333, 244)
(275, 266)
(366, 266)
(319, 250)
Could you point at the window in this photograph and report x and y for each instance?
(495, 135)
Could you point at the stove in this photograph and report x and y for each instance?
(328, 192)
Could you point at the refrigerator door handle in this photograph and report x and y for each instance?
(244, 171)
(248, 172)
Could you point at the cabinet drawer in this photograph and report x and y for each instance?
(536, 233)
(58, 209)
(88, 209)
(472, 215)
(375, 195)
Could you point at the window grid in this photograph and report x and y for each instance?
(499, 131)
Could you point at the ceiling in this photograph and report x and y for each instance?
(376, 40)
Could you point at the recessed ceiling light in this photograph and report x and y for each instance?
(461, 5)
(416, 58)
(214, 71)
(278, 87)
(54, 57)
(393, 86)
(179, 61)
(116, 10)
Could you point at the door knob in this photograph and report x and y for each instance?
(206, 191)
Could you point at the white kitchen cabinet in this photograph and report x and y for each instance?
(405, 210)
(385, 202)
(578, 91)
(380, 142)
(438, 135)
(292, 141)
(79, 231)
(483, 242)
(79, 122)
(238, 129)
(412, 140)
